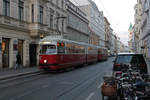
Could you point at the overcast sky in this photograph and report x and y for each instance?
(120, 13)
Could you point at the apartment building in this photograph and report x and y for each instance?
(137, 27)
(145, 28)
(23, 23)
(77, 24)
(108, 32)
(96, 21)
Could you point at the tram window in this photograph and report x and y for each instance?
(83, 50)
(61, 49)
(48, 49)
(90, 50)
(100, 51)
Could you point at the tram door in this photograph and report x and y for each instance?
(33, 55)
(5, 52)
(20, 50)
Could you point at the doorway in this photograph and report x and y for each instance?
(33, 55)
(20, 50)
(5, 52)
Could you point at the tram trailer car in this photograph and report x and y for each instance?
(57, 53)
(92, 52)
(102, 54)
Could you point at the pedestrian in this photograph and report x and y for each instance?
(18, 60)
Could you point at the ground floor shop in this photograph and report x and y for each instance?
(14, 42)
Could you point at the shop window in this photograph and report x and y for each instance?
(0, 47)
(3, 46)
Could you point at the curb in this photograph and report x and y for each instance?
(16, 75)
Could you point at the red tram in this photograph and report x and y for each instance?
(58, 53)
(102, 54)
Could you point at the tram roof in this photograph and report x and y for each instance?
(59, 38)
(51, 38)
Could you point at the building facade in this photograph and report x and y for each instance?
(77, 24)
(23, 23)
(108, 32)
(114, 44)
(93, 38)
(144, 37)
(137, 26)
(96, 20)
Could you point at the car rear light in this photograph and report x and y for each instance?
(117, 65)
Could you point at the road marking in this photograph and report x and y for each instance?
(66, 83)
(99, 86)
(90, 96)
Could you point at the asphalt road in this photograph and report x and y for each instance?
(78, 84)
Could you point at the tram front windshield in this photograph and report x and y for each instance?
(48, 49)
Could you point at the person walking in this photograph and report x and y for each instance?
(18, 60)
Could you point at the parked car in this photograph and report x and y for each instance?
(132, 59)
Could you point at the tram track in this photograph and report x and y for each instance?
(23, 78)
(19, 79)
(89, 81)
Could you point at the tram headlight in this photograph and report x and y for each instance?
(45, 61)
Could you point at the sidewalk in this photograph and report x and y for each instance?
(8, 73)
(148, 65)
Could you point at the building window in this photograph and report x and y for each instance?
(41, 15)
(62, 4)
(21, 10)
(32, 13)
(57, 24)
(6, 7)
(51, 20)
(57, 3)
(62, 26)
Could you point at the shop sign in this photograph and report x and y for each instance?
(15, 45)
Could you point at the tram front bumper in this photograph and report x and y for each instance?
(49, 66)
